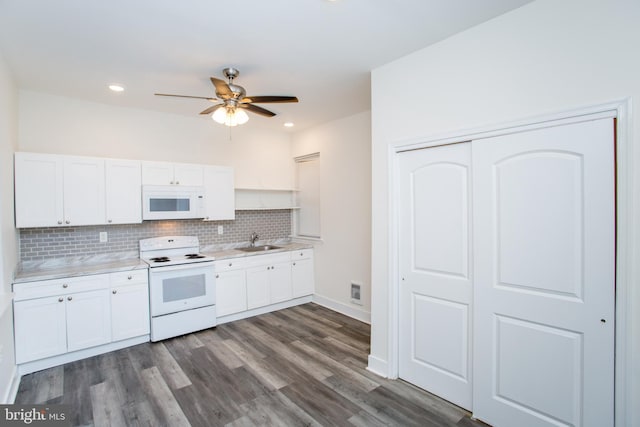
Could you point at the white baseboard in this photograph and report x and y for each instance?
(347, 310)
(9, 395)
(378, 366)
(262, 310)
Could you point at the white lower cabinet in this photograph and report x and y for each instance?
(54, 317)
(302, 272)
(40, 328)
(262, 280)
(231, 287)
(129, 305)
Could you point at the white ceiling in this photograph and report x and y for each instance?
(320, 51)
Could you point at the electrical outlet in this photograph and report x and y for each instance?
(356, 293)
(220, 229)
(103, 237)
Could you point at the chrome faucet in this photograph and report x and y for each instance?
(254, 237)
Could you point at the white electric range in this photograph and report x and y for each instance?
(182, 289)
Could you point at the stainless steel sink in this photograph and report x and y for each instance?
(259, 248)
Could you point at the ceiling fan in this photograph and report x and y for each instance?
(233, 100)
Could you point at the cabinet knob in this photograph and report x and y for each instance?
(294, 263)
(67, 222)
(69, 298)
(129, 277)
(114, 291)
(272, 267)
(268, 268)
(59, 222)
(230, 264)
(301, 254)
(171, 183)
(177, 182)
(64, 285)
(217, 276)
(109, 221)
(60, 299)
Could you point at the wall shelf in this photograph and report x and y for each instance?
(250, 199)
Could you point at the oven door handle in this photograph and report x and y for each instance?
(190, 266)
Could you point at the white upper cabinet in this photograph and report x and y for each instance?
(165, 173)
(38, 190)
(219, 193)
(84, 191)
(123, 191)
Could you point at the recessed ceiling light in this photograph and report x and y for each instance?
(116, 88)
(288, 125)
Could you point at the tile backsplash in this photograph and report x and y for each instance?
(37, 244)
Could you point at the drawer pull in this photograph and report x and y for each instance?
(69, 298)
(115, 291)
(65, 285)
(60, 299)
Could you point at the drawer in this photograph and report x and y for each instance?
(121, 278)
(301, 254)
(229, 264)
(257, 260)
(47, 288)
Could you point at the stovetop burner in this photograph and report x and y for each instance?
(194, 256)
(160, 259)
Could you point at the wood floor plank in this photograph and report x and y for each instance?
(104, 403)
(170, 369)
(273, 409)
(165, 403)
(215, 343)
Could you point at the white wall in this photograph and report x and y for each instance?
(345, 184)
(54, 124)
(545, 57)
(8, 236)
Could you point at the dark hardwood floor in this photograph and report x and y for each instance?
(303, 366)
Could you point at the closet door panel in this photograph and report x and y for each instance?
(435, 287)
(544, 276)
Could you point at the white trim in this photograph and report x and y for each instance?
(262, 310)
(627, 387)
(353, 312)
(38, 365)
(377, 366)
(11, 392)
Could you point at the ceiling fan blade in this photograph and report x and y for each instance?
(222, 88)
(211, 109)
(265, 99)
(187, 96)
(257, 110)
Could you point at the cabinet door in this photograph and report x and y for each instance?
(38, 190)
(188, 174)
(40, 328)
(231, 292)
(219, 193)
(84, 191)
(157, 173)
(258, 286)
(280, 282)
(88, 319)
(302, 277)
(129, 311)
(123, 191)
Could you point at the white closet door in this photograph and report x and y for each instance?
(544, 254)
(434, 257)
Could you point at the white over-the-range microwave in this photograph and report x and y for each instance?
(172, 202)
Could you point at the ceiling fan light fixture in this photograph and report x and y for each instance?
(230, 116)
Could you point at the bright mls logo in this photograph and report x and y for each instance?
(35, 415)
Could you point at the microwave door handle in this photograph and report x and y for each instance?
(190, 266)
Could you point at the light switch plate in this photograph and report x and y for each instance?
(103, 237)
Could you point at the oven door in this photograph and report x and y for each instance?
(181, 287)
